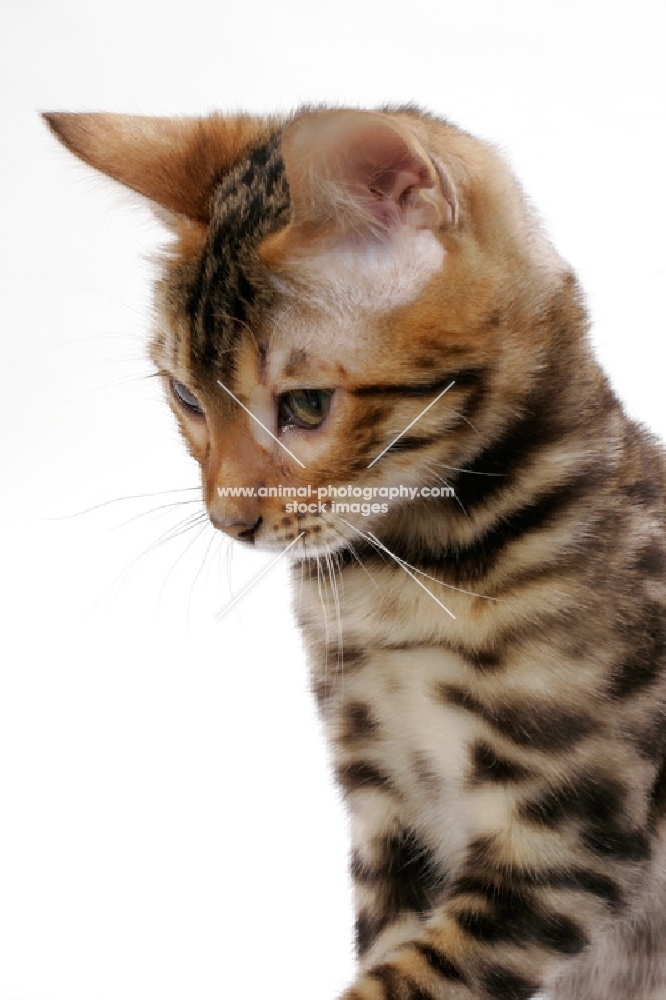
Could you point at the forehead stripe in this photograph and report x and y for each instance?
(250, 202)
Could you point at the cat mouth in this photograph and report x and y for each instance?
(249, 534)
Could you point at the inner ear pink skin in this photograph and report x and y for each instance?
(363, 172)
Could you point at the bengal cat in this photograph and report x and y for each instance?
(364, 299)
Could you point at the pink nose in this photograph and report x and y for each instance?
(243, 530)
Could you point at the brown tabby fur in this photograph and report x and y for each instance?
(504, 769)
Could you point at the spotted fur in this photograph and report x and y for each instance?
(503, 765)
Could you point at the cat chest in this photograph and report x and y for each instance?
(403, 753)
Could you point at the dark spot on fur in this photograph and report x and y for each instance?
(353, 658)
(323, 690)
(262, 350)
(390, 981)
(363, 552)
(360, 775)
(462, 379)
(485, 660)
(543, 727)
(646, 662)
(366, 931)
(405, 878)
(490, 766)
(416, 992)
(501, 983)
(658, 796)
(652, 561)
(295, 363)
(651, 740)
(633, 675)
(645, 491)
(597, 804)
(364, 428)
(487, 873)
(584, 880)
(517, 917)
(413, 442)
(438, 962)
(359, 722)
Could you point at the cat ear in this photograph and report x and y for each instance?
(362, 172)
(175, 162)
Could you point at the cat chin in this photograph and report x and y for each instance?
(310, 546)
(308, 549)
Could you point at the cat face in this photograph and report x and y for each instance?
(335, 310)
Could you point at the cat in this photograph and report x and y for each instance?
(365, 300)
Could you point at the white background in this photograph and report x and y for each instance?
(168, 827)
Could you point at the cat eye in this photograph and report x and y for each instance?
(186, 399)
(303, 407)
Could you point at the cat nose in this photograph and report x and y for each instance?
(242, 530)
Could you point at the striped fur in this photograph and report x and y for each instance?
(504, 769)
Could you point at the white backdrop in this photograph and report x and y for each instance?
(168, 827)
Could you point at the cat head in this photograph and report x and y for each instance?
(330, 275)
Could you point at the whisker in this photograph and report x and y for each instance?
(336, 604)
(202, 527)
(445, 482)
(463, 417)
(199, 572)
(105, 503)
(94, 366)
(114, 385)
(350, 545)
(416, 569)
(470, 472)
(121, 579)
(94, 338)
(95, 291)
(325, 615)
(158, 511)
